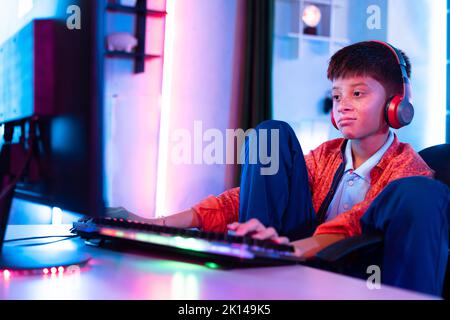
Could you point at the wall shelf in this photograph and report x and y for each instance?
(142, 13)
(131, 55)
(125, 9)
(318, 38)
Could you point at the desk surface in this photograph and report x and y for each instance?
(123, 276)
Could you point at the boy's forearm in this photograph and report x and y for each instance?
(308, 247)
(184, 219)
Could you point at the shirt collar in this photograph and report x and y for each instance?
(364, 170)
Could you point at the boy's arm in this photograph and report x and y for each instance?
(211, 214)
(215, 213)
(347, 223)
(308, 247)
(184, 219)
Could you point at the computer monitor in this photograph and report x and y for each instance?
(51, 111)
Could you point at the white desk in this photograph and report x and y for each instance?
(123, 276)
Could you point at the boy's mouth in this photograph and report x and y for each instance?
(346, 120)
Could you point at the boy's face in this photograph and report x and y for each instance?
(358, 107)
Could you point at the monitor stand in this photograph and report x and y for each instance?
(14, 160)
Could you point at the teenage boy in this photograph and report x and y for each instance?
(365, 181)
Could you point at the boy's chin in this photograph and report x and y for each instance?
(348, 135)
(352, 134)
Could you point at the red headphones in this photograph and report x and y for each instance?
(399, 110)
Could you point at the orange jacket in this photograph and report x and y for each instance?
(399, 161)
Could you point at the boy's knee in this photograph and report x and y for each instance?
(421, 197)
(273, 124)
(417, 186)
(285, 131)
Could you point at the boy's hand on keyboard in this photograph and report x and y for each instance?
(122, 213)
(257, 230)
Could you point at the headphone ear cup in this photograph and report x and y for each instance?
(388, 111)
(398, 112)
(333, 121)
(405, 113)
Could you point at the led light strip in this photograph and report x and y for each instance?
(163, 151)
(7, 274)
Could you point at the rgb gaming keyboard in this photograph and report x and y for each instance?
(224, 247)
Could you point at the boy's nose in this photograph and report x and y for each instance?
(344, 105)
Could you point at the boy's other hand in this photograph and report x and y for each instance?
(122, 213)
(257, 230)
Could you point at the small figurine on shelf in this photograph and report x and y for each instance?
(121, 41)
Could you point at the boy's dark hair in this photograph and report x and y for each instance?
(369, 59)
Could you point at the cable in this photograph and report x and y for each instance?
(44, 243)
(41, 237)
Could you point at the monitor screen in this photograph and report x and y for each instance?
(51, 111)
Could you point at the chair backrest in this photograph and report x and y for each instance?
(438, 158)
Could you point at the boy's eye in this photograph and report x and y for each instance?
(336, 97)
(357, 93)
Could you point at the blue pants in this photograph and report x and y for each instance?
(413, 214)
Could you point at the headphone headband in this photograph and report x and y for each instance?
(398, 56)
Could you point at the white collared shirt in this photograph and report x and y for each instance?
(354, 184)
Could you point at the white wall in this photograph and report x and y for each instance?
(420, 30)
(202, 88)
(132, 115)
